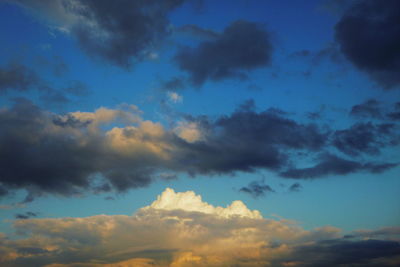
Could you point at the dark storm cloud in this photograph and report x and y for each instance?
(369, 109)
(369, 36)
(342, 252)
(119, 32)
(243, 46)
(41, 153)
(365, 138)
(257, 189)
(333, 165)
(32, 158)
(15, 76)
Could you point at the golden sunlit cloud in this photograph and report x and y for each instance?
(176, 230)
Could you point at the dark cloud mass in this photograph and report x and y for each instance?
(369, 36)
(119, 32)
(243, 46)
(43, 152)
(247, 140)
(33, 158)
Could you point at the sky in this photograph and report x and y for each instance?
(199, 133)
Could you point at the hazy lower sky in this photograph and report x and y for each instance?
(199, 133)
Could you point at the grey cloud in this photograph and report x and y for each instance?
(247, 140)
(345, 253)
(118, 32)
(368, 109)
(369, 37)
(241, 47)
(365, 138)
(333, 165)
(15, 76)
(395, 114)
(70, 154)
(40, 160)
(77, 88)
(373, 109)
(296, 187)
(173, 84)
(257, 189)
(26, 215)
(198, 32)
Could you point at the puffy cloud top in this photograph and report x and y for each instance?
(189, 201)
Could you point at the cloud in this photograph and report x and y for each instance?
(190, 202)
(296, 187)
(77, 88)
(174, 97)
(119, 33)
(365, 138)
(43, 152)
(369, 109)
(351, 253)
(173, 84)
(198, 32)
(15, 76)
(116, 149)
(373, 109)
(395, 114)
(18, 78)
(257, 189)
(247, 140)
(194, 233)
(26, 215)
(369, 37)
(333, 165)
(241, 47)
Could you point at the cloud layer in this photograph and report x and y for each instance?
(116, 149)
(194, 233)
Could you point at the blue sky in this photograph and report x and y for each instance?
(289, 106)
